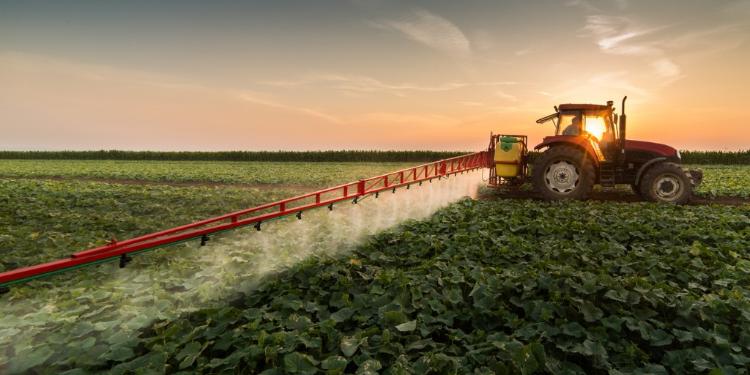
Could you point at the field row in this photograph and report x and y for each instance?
(733, 181)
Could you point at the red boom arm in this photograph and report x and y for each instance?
(256, 215)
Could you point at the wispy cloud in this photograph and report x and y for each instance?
(431, 30)
(661, 45)
(666, 68)
(709, 40)
(620, 35)
(622, 4)
(616, 82)
(260, 99)
(364, 84)
(589, 7)
(583, 4)
(504, 95)
(92, 72)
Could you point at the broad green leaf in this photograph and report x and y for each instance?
(335, 362)
(349, 345)
(298, 363)
(408, 326)
(590, 312)
(342, 315)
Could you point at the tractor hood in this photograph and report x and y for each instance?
(648, 150)
(650, 147)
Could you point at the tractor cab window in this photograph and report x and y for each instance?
(570, 123)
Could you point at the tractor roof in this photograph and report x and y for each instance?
(584, 107)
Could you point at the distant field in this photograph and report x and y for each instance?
(719, 180)
(300, 174)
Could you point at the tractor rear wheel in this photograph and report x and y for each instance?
(563, 172)
(666, 182)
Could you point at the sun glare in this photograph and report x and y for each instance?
(595, 126)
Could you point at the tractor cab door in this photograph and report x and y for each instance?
(599, 126)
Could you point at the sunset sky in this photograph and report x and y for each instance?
(364, 74)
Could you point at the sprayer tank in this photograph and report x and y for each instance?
(508, 153)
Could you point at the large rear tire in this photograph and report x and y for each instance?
(563, 172)
(667, 183)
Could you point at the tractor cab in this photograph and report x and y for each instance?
(594, 123)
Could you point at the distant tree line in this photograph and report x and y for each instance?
(716, 157)
(688, 157)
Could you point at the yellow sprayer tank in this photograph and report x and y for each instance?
(508, 154)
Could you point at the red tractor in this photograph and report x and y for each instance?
(588, 148)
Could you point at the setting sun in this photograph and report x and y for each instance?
(595, 126)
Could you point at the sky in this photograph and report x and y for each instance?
(365, 74)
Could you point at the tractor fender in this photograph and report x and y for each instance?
(645, 166)
(584, 143)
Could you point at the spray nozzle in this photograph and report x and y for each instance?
(124, 260)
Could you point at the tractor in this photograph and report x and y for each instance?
(590, 147)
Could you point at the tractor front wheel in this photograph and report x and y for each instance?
(563, 172)
(666, 182)
(636, 189)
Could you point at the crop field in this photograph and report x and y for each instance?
(720, 180)
(420, 281)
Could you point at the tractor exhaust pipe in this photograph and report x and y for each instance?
(623, 121)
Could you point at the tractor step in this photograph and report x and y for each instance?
(607, 173)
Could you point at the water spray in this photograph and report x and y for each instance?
(208, 272)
